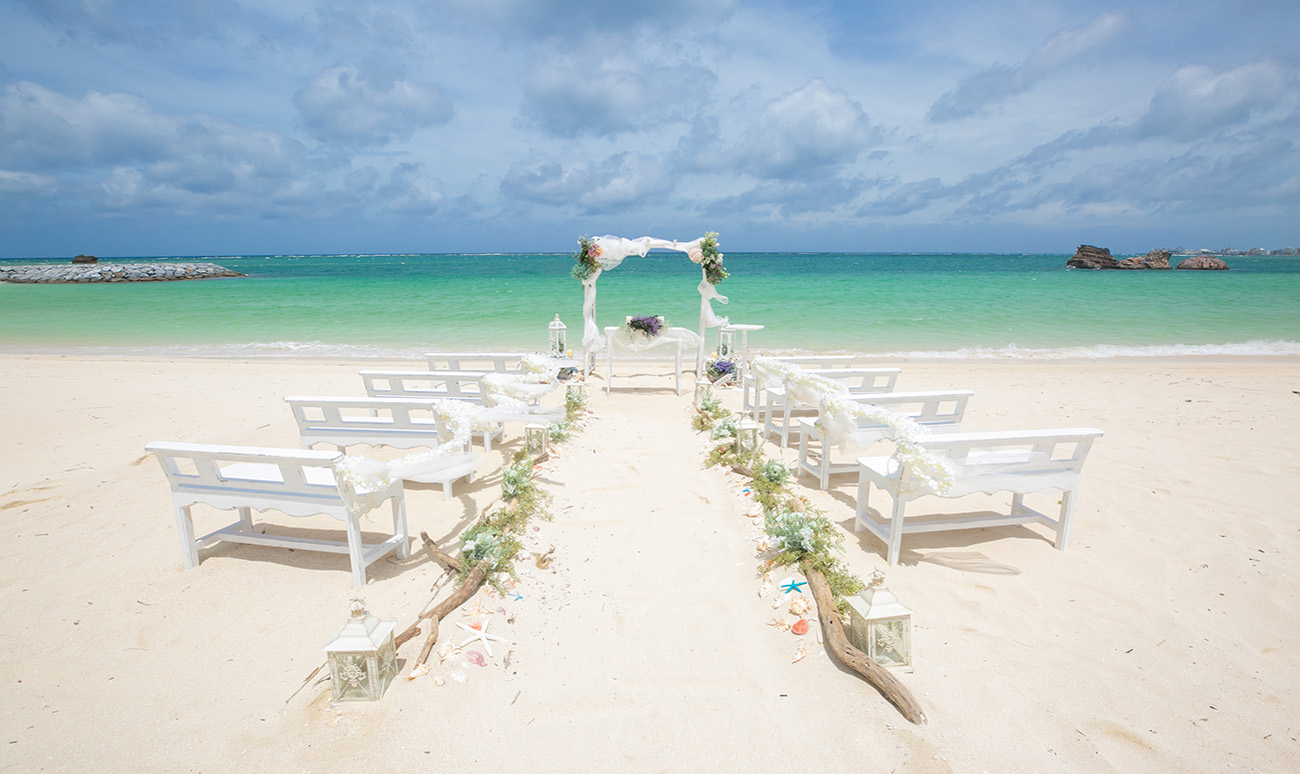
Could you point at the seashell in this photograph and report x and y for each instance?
(439, 681)
(780, 624)
(799, 606)
(764, 589)
(776, 603)
(764, 545)
(419, 671)
(800, 627)
(800, 651)
(459, 677)
(446, 651)
(474, 657)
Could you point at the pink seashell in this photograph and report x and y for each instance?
(474, 657)
(800, 626)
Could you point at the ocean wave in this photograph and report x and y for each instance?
(326, 350)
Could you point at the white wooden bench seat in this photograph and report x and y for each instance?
(779, 414)
(1018, 462)
(292, 481)
(454, 385)
(938, 411)
(402, 423)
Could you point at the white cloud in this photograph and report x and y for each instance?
(805, 133)
(27, 183)
(619, 181)
(344, 104)
(1195, 101)
(573, 95)
(411, 192)
(988, 88)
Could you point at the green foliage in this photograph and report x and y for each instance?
(516, 479)
(724, 427)
(575, 403)
(713, 269)
(710, 404)
(560, 431)
(774, 472)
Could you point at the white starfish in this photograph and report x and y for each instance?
(480, 633)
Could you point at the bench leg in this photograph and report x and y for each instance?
(355, 552)
(896, 530)
(864, 492)
(246, 519)
(399, 527)
(1067, 513)
(185, 526)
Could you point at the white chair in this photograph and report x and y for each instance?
(1018, 462)
(780, 411)
(937, 411)
(292, 481)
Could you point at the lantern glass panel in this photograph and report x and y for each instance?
(535, 438)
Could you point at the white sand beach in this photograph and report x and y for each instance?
(1167, 638)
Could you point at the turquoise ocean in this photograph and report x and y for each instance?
(932, 306)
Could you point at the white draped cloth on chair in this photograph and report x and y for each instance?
(612, 252)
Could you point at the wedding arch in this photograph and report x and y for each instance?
(599, 254)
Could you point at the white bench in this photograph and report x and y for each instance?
(456, 385)
(402, 423)
(751, 395)
(486, 362)
(778, 411)
(1018, 462)
(937, 411)
(292, 481)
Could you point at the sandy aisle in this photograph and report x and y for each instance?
(1166, 638)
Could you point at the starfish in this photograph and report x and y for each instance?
(792, 586)
(479, 633)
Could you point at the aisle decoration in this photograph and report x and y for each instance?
(798, 535)
(490, 548)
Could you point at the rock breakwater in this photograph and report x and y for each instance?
(113, 272)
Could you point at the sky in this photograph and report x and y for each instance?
(220, 127)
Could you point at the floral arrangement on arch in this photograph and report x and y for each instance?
(586, 263)
(711, 259)
(649, 326)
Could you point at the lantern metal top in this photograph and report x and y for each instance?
(362, 632)
(557, 325)
(881, 602)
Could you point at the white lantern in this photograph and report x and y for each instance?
(362, 657)
(880, 626)
(536, 438)
(726, 340)
(746, 437)
(703, 389)
(557, 329)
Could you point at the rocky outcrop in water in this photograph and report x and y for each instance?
(1156, 259)
(113, 272)
(85, 259)
(1207, 262)
(1089, 257)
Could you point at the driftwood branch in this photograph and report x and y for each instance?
(468, 587)
(837, 642)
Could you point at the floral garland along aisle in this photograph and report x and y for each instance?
(491, 555)
(795, 534)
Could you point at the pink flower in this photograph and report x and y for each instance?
(594, 250)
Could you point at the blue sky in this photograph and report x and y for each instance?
(211, 127)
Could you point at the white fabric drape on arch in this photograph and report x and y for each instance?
(612, 252)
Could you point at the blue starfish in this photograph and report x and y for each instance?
(794, 586)
(516, 596)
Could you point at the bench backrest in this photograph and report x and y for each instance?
(861, 379)
(990, 461)
(485, 362)
(209, 469)
(457, 385)
(944, 407)
(328, 418)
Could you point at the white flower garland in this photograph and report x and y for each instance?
(919, 470)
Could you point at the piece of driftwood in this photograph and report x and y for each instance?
(468, 587)
(837, 642)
